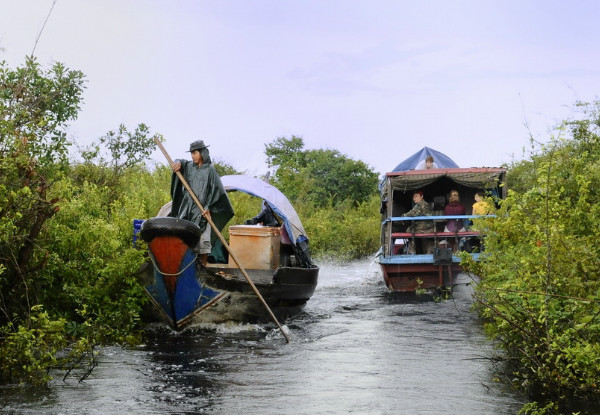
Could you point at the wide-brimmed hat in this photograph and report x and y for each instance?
(197, 145)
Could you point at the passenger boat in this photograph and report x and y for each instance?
(412, 260)
(277, 260)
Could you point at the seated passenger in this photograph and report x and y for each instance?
(428, 163)
(420, 208)
(266, 217)
(454, 207)
(481, 206)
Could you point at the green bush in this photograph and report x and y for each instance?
(31, 348)
(345, 231)
(540, 285)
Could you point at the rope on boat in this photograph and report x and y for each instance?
(177, 273)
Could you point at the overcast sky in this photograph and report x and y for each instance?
(375, 79)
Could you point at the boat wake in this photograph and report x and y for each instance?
(336, 274)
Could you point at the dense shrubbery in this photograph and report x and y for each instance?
(66, 257)
(35, 107)
(92, 259)
(345, 231)
(540, 288)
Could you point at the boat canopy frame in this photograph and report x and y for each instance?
(276, 200)
(397, 187)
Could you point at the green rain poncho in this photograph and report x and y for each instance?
(206, 184)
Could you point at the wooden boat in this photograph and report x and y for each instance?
(412, 260)
(183, 291)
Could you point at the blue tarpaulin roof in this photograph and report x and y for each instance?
(440, 159)
(270, 194)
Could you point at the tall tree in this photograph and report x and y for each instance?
(321, 176)
(35, 109)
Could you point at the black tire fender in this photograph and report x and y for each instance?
(187, 231)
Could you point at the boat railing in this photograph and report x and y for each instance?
(398, 240)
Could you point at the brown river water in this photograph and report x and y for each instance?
(356, 348)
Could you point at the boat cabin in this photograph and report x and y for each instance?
(435, 184)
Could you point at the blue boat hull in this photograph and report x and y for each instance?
(182, 290)
(189, 297)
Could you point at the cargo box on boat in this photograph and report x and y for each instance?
(255, 246)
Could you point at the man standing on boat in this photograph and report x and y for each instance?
(206, 183)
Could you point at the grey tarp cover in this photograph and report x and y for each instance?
(275, 199)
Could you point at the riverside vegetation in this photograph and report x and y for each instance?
(67, 262)
(540, 277)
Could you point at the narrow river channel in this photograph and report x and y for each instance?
(355, 349)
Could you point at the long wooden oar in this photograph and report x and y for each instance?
(225, 244)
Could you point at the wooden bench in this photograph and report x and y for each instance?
(398, 246)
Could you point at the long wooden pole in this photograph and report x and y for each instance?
(225, 244)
